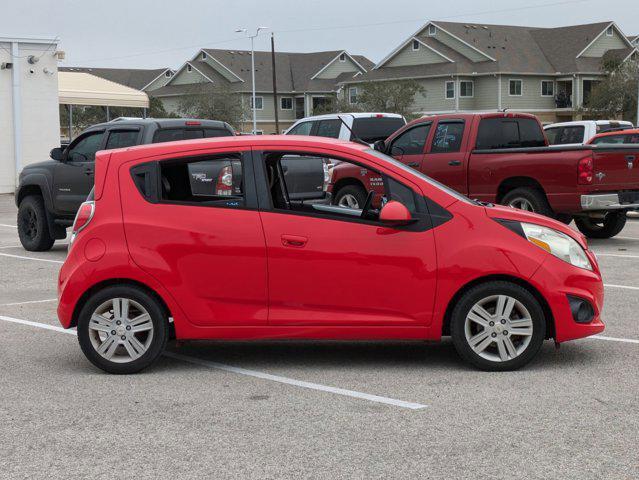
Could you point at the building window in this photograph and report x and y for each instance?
(352, 95)
(450, 90)
(168, 74)
(342, 57)
(432, 30)
(259, 103)
(189, 68)
(204, 55)
(466, 89)
(415, 44)
(514, 88)
(547, 88)
(286, 103)
(610, 31)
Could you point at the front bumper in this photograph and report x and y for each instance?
(610, 201)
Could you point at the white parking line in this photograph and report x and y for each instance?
(10, 246)
(30, 258)
(25, 303)
(615, 255)
(7, 225)
(615, 339)
(627, 287)
(249, 373)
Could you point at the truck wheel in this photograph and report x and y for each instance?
(607, 227)
(350, 196)
(529, 199)
(33, 228)
(564, 218)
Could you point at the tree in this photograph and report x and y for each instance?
(217, 102)
(615, 96)
(157, 110)
(394, 97)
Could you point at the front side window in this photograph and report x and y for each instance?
(466, 89)
(450, 90)
(352, 95)
(448, 137)
(411, 142)
(329, 128)
(122, 139)
(303, 128)
(514, 88)
(84, 149)
(216, 181)
(259, 103)
(286, 103)
(547, 88)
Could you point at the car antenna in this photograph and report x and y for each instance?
(354, 138)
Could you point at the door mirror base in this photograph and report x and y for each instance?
(380, 146)
(395, 213)
(57, 154)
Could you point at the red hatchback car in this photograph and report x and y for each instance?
(161, 250)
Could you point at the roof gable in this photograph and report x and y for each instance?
(604, 42)
(337, 66)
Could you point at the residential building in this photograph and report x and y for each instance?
(305, 81)
(137, 78)
(477, 67)
(634, 39)
(29, 123)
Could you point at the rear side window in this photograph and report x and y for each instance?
(565, 135)
(495, 133)
(376, 128)
(448, 137)
(122, 139)
(617, 139)
(215, 181)
(329, 128)
(303, 128)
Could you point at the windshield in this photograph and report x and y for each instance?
(412, 171)
(371, 129)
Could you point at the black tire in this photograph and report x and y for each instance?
(611, 225)
(564, 218)
(486, 290)
(532, 196)
(357, 192)
(156, 345)
(33, 227)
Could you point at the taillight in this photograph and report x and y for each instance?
(82, 219)
(224, 185)
(585, 170)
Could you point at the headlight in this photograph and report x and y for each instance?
(559, 244)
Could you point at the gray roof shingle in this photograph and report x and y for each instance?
(129, 77)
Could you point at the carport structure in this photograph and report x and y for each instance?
(84, 89)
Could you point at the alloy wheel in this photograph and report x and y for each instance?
(498, 328)
(522, 204)
(348, 201)
(29, 223)
(121, 330)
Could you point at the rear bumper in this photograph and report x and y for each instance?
(610, 201)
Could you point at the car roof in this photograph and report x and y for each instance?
(162, 123)
(579, 123)
(630, 131)
(467, 116)
(354, 115)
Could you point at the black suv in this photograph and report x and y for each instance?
(50, 192)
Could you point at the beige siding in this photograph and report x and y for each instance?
(433, 97)
(336, 68)
(157, 83)
(457, 45)
(530, 98)
(188, 78)
(222, 70)
(408, 56)
(605, 43)
(486, 90)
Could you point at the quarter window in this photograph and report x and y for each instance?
(466, 89)
(450, 90)
(286, 103)
(547, 88)
(448, 137)
(514, 88)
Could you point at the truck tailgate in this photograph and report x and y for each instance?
(616, 167)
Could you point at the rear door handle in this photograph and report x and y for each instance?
(630, 158)
(454, 163)
(294, 241)
(413, 164)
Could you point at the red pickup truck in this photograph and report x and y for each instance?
(504, 158)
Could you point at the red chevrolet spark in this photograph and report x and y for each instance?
(237, 239)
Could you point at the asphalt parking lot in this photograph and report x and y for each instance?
(313, 409)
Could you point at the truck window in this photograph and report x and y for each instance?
(616, 139)
(83, 150)
(329, 128)
(412, 141)
(303, 128)
(495, 133)
(372, 129)
(216, 132)
(176, 134)
(122, 139)
(448, 137)
(565, 135)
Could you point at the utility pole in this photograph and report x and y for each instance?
(252, 37)
(277, 122)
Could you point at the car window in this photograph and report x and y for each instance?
(84, 149)
(214, 181)
(371, 129)
(617, 139)
(496, 133)
(216, 132)
(448, 137)
(303, 128)
(565, 135)
(411, 142)
(176, 134)
(329, 128)
(122, 138)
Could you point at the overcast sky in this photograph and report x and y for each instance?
(159, 33)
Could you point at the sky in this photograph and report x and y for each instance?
(160, 33)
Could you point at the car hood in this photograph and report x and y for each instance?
(509, 213)
(33, 166)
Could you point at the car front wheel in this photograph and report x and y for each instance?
(498, 326)
(350, 196)
(122, 329)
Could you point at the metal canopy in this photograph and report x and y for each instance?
(79, 88)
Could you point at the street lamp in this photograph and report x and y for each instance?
(252, 37)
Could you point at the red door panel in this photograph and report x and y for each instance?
(445, 160)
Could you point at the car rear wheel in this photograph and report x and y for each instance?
(33, 228)
(122, 329)
(350, 196)
(529, 199)
(498, 326)
(610, 225)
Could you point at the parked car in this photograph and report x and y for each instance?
(504, 158)
(49, 193)
(625, 137)
(369, 127)
(578, 133)
(428, 262)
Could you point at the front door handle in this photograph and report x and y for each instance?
(294, 241)
(88, 171)
(454, 163)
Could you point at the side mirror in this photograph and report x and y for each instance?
(396, 152)
(380, 146)
(395, 213)
(56, 154)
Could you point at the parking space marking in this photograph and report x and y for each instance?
(615, 255)
(10, 246)
(30, 258)
(615, 339)
(28, 302)
(627, 287)
(250, 373)
(7, 225)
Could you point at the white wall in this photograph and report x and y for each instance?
(40, 123)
